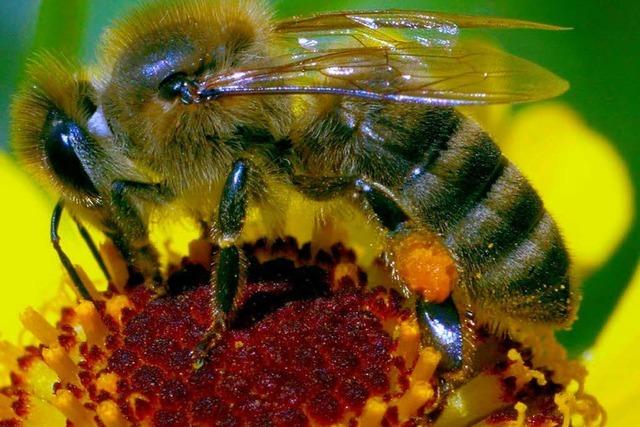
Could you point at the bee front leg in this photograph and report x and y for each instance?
(130, 229)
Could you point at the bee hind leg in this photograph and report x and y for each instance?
(446, 335)
(426, 268)
(423, 264)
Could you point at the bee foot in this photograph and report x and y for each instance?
(210, 339)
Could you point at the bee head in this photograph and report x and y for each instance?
(155, 57)
(49, 129)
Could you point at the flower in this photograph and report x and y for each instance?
(309, 343)
(613, 362)
(518, 388)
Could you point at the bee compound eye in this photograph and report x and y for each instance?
(173, 86)
(63, 140)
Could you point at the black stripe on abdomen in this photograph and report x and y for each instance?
(499, 221)
(443, 190)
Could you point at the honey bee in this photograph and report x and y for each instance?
(212, 104)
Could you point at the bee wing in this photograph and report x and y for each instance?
(446, 23)
(392, 56)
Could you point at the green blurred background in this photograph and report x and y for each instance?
(600, 57)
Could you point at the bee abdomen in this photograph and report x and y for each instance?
(494, 223)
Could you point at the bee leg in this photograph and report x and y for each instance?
(228, 273)
(380, 200)
(383, 204)
(86, 237)
(132, 237)
(64, 259)
(438, 315)
(231, 217)
(446, 335)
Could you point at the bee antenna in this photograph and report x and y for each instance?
(210, 94)
(66, 262)
(64, 259)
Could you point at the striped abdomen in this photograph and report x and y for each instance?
(512, 258)
(453, 179)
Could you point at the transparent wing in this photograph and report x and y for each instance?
(446, 23)
(394, 56)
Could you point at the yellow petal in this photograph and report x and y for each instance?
(614, 368)
(24, 228)
(583, 181)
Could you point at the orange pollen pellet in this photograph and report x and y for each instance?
(426, 267)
